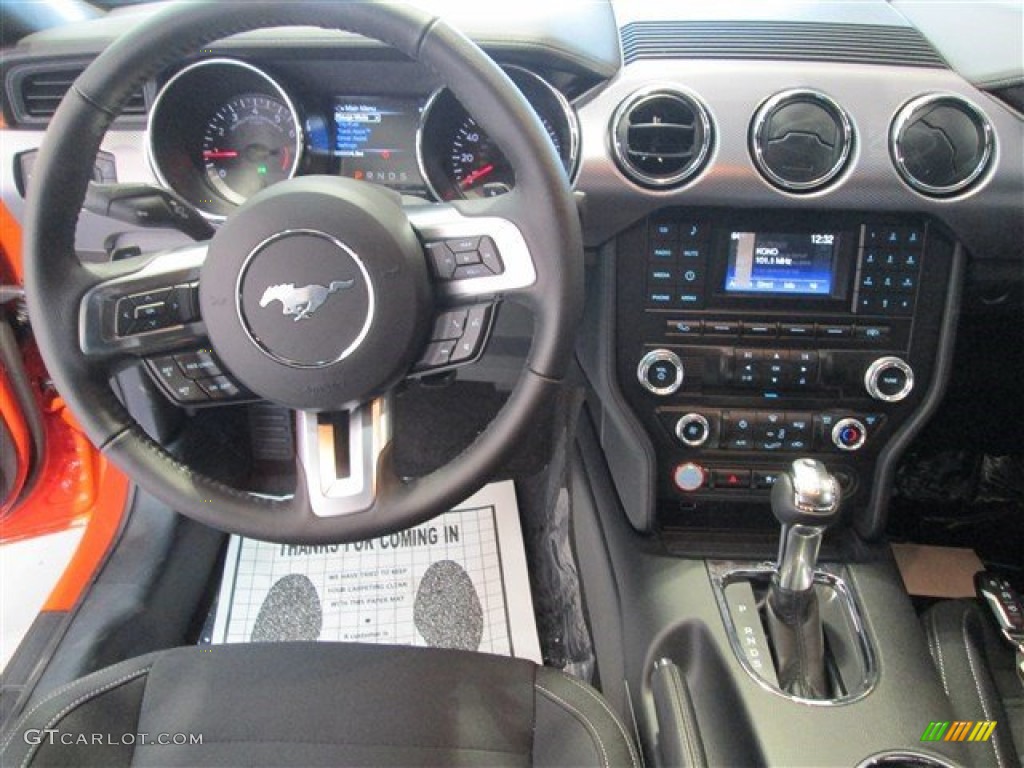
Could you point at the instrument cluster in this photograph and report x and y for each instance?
(223, 129)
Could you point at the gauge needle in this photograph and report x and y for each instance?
(476, 175)
(219, 154)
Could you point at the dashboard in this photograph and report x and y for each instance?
(781, 205)
(223, 128)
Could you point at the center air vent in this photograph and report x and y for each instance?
(661, 137)
(940, 144)
(800, 140)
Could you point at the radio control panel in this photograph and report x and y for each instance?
(745, 338)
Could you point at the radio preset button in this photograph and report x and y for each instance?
(872, 333)
(835, 331)
(721, 328)
(796, 330)
(684, 327)
(759, 330)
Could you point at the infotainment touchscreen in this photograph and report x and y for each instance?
(782, 263)
(373, 140)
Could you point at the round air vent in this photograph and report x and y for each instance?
(661, 137)
(800, 140)
(940, 144)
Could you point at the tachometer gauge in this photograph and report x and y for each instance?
(221, 130)
(248, 144)
(459, 160)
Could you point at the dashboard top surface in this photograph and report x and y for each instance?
(580, 49)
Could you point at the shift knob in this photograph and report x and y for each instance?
(805, 499)
(806, 494)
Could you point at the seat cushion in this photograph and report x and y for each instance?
(314, 704)
(977, 671)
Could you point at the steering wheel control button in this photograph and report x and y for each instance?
(661, 372)
(464, 258)
(450, 325)
(471, 343)
(689, 477)
(889, 379)
(693, 430)
(442, 260)
(220, 388)
(489, 256)
(849, 434)
(471, 271)
(166, 371)
(199, 364)
(459, 337)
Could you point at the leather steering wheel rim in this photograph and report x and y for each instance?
(56, 280)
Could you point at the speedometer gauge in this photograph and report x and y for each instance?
(459, 160)
(248, 144)
(477, 165)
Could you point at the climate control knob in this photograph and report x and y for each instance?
(889, 379)
(689, 476)
(660, 371)
(693, 430)
(849, 434)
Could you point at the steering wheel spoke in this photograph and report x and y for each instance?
(342, 457)
(474, 251)
(145, 306)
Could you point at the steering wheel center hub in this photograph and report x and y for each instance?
(315, 293)
(305, 299)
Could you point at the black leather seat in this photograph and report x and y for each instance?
(321, 704)
(977, 671)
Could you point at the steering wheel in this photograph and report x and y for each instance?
(317, 294)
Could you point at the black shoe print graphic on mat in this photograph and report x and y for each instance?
(447, 610)
(290, 611)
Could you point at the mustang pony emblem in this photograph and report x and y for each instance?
(302, 302)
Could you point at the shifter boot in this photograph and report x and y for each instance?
(794, 628)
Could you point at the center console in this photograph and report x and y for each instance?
(744, 338)
(751, 369)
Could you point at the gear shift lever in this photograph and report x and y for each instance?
(805, 500)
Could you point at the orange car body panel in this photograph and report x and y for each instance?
(76, 485)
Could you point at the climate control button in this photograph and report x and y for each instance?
(693, 430)
(660, 371)
(849, 434)
(889, 379)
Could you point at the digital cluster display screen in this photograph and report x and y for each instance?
(784, 264)
(374, 140)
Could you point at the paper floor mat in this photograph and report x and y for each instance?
(929, 571)
(458, 581)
